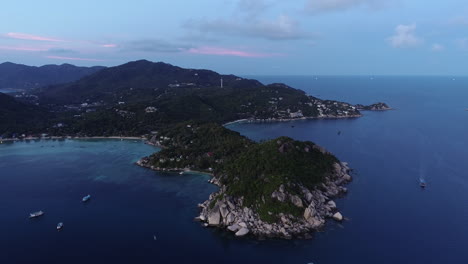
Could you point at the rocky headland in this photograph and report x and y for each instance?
(316, 204)
(280, 188)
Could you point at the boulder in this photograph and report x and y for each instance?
(281, 188)
(331, 204)
(337, 167)
(309, 213)
(231, 205)
(242, 232)
(234, 228)
(224, 211)
(242, 224)
(280, 196)
(214, 217)
(296, 200)
(230, 218)
(338, 216)
(347, 177)
(284, 220)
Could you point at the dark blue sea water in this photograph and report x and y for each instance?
(389, 218)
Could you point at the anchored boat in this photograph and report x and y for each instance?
(59, 226)
(422, 183)
(86, 198)
(36, 214)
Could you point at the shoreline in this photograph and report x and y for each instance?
(273, 120)
(143, 163)
(69, 137)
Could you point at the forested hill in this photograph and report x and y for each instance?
(17, 117)
(138, 81)
(142, 96)
(23, 77)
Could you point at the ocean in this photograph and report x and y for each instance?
(389, 218)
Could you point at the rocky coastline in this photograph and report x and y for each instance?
(271, 120)
(317, 204)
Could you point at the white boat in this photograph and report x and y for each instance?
(86, 198)
(36, 214)
(181, 172)
(59, 226)
(422, 183)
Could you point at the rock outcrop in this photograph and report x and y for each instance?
(374, 107)
(225, 211)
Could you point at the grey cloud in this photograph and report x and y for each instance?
(323, 6)
(283, 28)
(253, 7)
(155, 45)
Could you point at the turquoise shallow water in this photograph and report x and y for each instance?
(389, 218)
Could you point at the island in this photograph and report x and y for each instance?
(278, 188)
(281, 188)
(374, 107)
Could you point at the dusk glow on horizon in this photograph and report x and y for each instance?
(306, 37)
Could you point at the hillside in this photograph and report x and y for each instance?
(23, 77)
(195, 146)
(16, 117)
(134, 82)
(140, 96)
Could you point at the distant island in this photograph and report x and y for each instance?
(374, 107)
(24, 78)
(279, 188)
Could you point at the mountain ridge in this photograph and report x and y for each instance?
(24, 77)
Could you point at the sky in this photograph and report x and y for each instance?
(244, 37)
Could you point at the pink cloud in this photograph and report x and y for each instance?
(71, 58)
(31, 37)
(109, 45)
(20, 48)
(229, 52)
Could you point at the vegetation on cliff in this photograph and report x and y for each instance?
(263, 168)
(196, 146)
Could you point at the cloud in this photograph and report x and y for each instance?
(405, 37)
(110, 45)
(154, 45)
(459, 21)
(323, 6)
(71, 58)
(31, 37)
(462, 43)
(253, 7)
(22, 48)
(436, 47)
(229, 52)
(283, 28)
